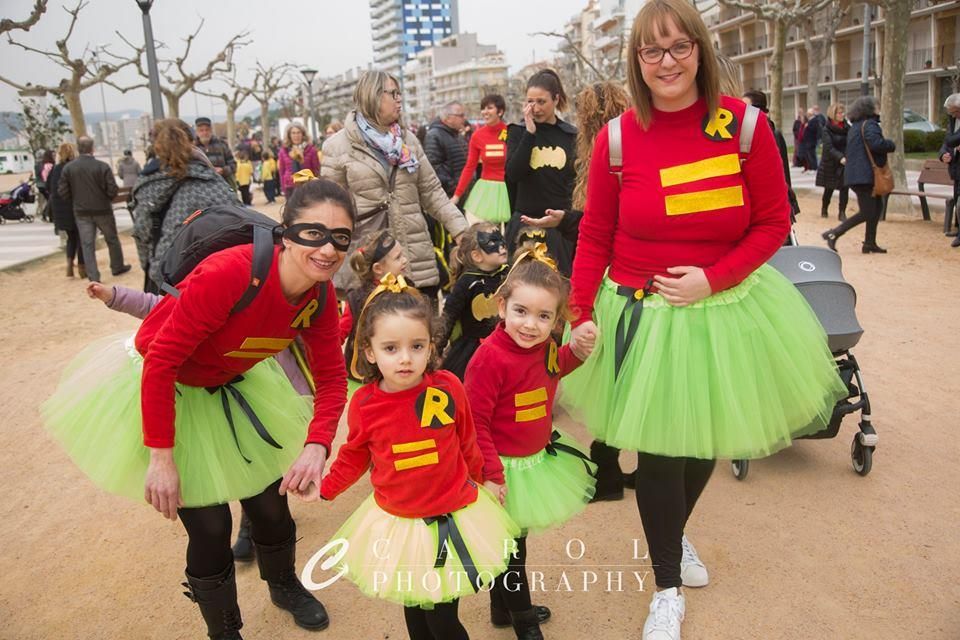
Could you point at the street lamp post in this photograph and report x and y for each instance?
(309, 75)
(152, 71)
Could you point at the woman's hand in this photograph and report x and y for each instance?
(551, 218)
(528, 118)
(162, 485)
(499, 491)
(583, 344)
(945, 158)
(303, 477)
(692, 286)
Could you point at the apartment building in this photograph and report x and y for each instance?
(334, 95)
(403, 28)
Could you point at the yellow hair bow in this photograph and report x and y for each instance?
(388, 283)
(304, 175)
(538, 253)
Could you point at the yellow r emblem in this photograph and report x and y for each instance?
(553, 364)
(436, 408)
(722, 126)
(302, 321)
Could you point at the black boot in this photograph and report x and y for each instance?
(500, 615)
(873, 247)
(823, 211)
(843, 215)
(956, 241)
(217, 597)
(277, 568)
(609, 473)
(526, 625)
(243, 549)
(831, 236)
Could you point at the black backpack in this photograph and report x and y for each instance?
(214, 229)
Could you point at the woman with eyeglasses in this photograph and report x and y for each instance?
(541, 152)
(192, 412)
(383, 165)
(704, 352)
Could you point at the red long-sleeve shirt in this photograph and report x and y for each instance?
(195, 340)
(488, 145)
(511, 391)
(686, 200)
(421, 444)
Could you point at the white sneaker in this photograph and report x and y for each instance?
(692, 571)
(666, 614)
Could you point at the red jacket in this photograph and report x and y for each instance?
(511, 392)
(686, 200)
(419, 444)
(489, 146)
(195, 340)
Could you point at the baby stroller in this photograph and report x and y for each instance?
(10, 208)
(817, 273)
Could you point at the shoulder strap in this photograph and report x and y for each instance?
(750, 118)
(863, 131)
(615, 153)
(259, 269)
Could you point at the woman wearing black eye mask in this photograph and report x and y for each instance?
(193, 412)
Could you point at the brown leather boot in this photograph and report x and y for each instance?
(81, 270)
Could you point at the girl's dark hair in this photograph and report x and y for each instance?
(496, 100)
(317, 191)
(468, 243)
(408, 302)
(548, 80)
(757, 99)
(536, 273)
(362, 259)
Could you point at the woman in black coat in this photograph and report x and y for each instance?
(830, 172)
(62, 210)
(858, 173)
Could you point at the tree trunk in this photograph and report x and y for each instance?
(77, 121)
(231, 124)
(897, 14)
(814, 58)
(173, 105)
(776, 71)
(265, 123)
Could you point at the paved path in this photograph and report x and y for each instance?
(22, 242)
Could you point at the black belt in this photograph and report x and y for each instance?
(553, 446)
(227, 390)
(447, 530)
(624, 338)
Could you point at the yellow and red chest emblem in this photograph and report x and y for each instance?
(494, 150)
(259, 348)
(428, 457)
(530, 405)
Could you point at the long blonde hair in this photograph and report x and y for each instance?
(596, 105)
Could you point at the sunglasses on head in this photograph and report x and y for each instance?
(490, 241)
(312, 234)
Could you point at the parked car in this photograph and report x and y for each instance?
(916, 122)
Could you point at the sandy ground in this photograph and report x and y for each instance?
(804, 548)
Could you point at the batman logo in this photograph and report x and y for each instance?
(554, 157)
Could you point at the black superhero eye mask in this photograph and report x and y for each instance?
(490, 241)
(311, 234)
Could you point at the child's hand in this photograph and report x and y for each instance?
(312, 494)
(583, 343)
(498, 490)
(97, 291)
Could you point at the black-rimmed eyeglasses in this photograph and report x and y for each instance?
(395, 93)
(678, 51)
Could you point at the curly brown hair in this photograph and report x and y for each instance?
(173, 145)
(596, 105)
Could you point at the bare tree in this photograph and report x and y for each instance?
(232, 97)
(24, 25)
(783, 15)
(893, 74)
(82, 75)
(179, 81)
(818, 33)
(582, 60)
(268, 82)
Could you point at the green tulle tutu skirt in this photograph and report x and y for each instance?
(737, 375)
(395, 558)
(551, 486)
(488, 201)
(95, 415)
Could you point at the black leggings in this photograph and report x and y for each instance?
(870, 207)
(440, 623)
(667, 490)
(209, 529)
(844, 197)
(73, 246)
(511, 590)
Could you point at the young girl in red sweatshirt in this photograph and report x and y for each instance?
(544, 477)
(428, 534)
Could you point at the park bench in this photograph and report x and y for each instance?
(933, 172)
(123, 194)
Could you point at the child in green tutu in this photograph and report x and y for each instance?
(429, 534)
(543, 476)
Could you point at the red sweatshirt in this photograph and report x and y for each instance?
(686, 200)
(511, 392)
(421, 444)
(195, 340)
(489, 146)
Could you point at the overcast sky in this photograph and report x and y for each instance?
(331, 36)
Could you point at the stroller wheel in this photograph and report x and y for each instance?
(861, 456)
(740, 468)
